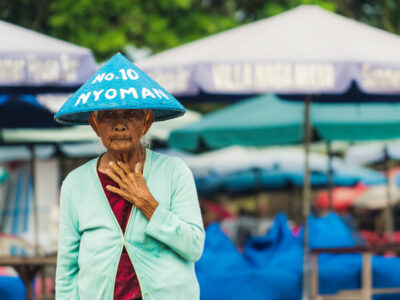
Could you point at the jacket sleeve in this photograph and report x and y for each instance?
(68, 247)
(181, 227)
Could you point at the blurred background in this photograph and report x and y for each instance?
(292, 134)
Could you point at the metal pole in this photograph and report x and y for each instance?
(35, 209)
(366, 276)
(30, 291)
(330, 174)
(290, 199)
(306, 199)
(388, 208)
(314, 276)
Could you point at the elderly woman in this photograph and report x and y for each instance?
(130, 223)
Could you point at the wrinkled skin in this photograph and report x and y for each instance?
(120, 131)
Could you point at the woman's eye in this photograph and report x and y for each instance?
(131, 113)
(108, 114)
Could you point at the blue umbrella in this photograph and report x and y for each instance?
(274, 179)
(240, 169)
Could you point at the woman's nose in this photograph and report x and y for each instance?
(120, 128)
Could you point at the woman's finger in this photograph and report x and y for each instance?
(120, 192)
(117, 169)
(138, 168)
(124, 167)
(114, 176)
(114, 189)
(104, 171)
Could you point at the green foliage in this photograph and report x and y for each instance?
(108, 26)
(258, 9)
(379, 13)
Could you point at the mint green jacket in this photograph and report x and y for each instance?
(162, 250)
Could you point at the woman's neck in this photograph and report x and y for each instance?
(130, 158)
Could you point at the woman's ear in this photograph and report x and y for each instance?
(93, 124)
(149, 122)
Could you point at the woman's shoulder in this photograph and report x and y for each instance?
(80, 174)
(171, 171)
(163, 160)
(170, 166)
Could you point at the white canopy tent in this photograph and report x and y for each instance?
(307, 51)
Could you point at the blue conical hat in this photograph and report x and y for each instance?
(119, 84)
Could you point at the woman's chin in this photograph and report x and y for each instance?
(121, 148)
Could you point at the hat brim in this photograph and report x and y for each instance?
(81, 118)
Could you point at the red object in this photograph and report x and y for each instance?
(372, 238)
(343, 197)
(296, 230)
(220, 211)
(126, 282)
(393, 172)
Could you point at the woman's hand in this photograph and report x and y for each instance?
(132, 187)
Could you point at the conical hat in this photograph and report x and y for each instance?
(119, 84)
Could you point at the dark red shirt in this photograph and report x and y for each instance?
(126, 282)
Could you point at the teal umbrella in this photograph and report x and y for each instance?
(356, 122)
(260, 121)
(267, 120)
(3, 175)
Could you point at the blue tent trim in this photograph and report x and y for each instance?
(24, 111)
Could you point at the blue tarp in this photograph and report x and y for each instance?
(224, 273)
(11, 288)
(270, 267)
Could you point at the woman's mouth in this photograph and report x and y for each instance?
(120, 139)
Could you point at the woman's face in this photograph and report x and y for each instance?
(121, 130)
